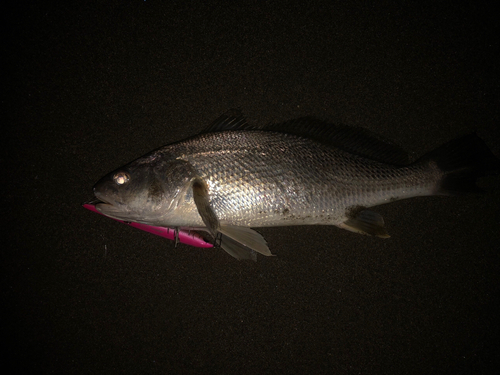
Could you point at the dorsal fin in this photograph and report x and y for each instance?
(231, 120)
(357, 141)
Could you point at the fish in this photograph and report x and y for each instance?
(234, 176)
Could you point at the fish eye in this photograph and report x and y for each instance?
(121, 178)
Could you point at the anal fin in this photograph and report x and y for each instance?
(366, 222)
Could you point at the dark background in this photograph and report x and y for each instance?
(94, 85)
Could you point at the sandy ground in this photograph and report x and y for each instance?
(93, 86)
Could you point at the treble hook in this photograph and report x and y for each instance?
(218, 239)
(176, 231)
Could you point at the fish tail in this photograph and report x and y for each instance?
(462, 162)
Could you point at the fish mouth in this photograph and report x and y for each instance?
(104, 208)
(101, 206)
(113, 210)
(96, 201)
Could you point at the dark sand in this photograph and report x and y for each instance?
(93, 86)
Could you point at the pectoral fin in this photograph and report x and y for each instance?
(239, 242)
(366, 222)
(202, 201)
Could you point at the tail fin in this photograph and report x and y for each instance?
(463, 161)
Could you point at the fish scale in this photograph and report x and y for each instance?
(295, 181)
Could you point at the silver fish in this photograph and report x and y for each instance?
(234, 176)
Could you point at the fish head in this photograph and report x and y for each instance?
(146, 190)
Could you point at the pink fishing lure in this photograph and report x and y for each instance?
(189, 238)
